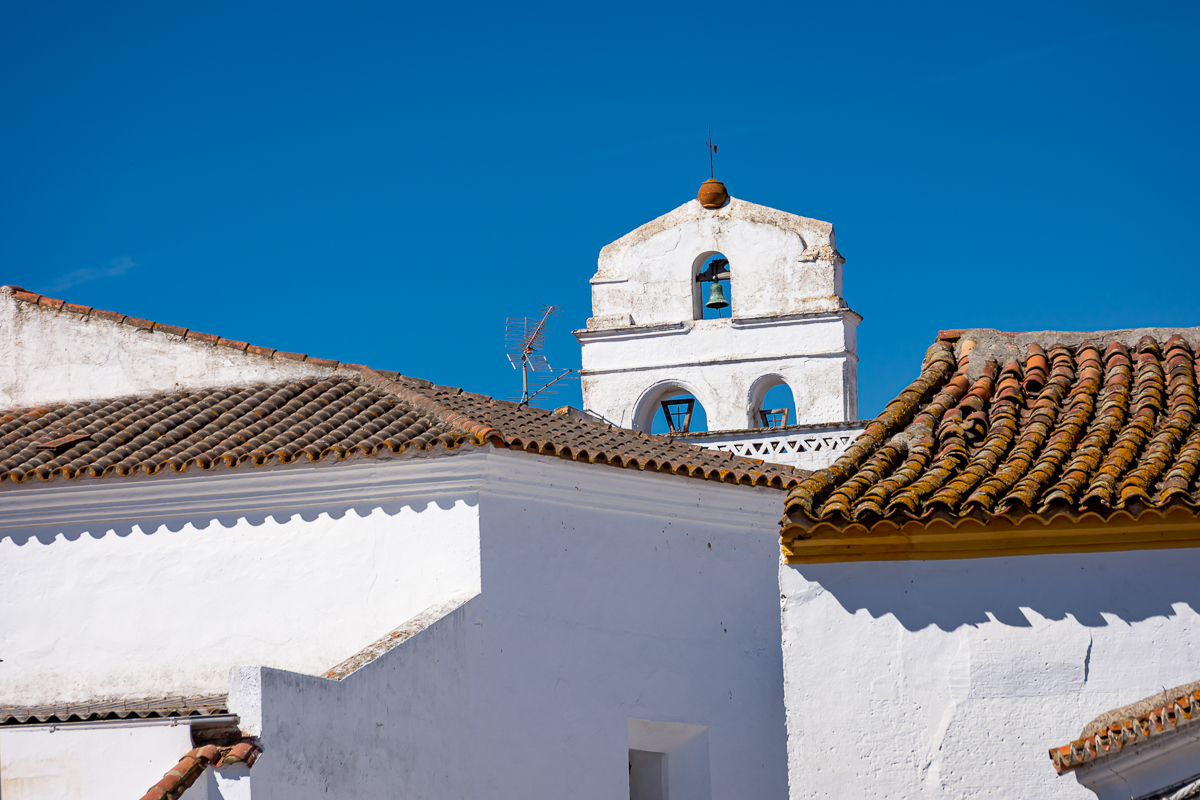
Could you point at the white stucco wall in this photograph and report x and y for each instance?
(105, 761)
(780, 264)
(951, 679)
(144, 587)
(57, 356)
(789, 323)
(607, 595)
(724, 363)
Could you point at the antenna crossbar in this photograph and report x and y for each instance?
(524, 337)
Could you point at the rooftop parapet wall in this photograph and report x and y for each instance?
(54, 352)
(780, 264)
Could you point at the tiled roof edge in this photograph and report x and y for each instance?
(180, 777)
(484, 433)
(1111, 738)
(213, 340)
(143, 708)
(479, 430)
(802, 503)
(742, 471)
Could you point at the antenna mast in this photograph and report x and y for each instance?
(524, 338)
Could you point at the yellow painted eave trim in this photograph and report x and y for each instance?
(998, 538)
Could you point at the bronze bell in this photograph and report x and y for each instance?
(716, 297)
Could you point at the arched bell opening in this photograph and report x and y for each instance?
(772, 404)
(670, 408)
(712, 292)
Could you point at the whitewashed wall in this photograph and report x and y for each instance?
(789, 323)
(723, 363)
(607, 595)
(780, 264)
(109, 761)
(951, 679)
(59, 356)
(184, 576)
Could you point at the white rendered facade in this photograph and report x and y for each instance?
(789, 324)
(950, 679)
(50, 356)
(575, 605)
(556, 616)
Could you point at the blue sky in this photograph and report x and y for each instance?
(385, 183)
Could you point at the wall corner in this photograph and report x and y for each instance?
(245, 698)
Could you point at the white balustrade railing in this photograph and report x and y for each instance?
(807, 447)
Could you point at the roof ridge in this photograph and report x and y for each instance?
(465, 417)
(55, 304)
(481, 431)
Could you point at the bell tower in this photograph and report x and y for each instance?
(775, 282)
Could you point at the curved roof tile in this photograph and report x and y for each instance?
(1092, 427)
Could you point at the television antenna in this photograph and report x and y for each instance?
(524, 339)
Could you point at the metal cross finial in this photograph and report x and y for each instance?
(712, 148)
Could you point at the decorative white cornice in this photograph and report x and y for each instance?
(523, 475)
(634, 331)
(622, 332)
(463, 476)
(754, 359)
(799, 318)
(244, 490)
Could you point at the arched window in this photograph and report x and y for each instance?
(771, 403)
(712, 297)
(679, 413)
(778, 408)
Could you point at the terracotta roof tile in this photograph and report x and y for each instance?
(207, 338)
(150, 708)
(363, 413)
(180, 777)
(536, 430)
(314, 419)
(111, 316)
(1095, 427)
(307, 419)
(1144, 720)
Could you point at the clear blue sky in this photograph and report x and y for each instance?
(385, 183)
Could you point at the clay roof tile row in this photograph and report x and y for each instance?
(1089, 428)
(1108, 734)
(357, 412)
(99, 710)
